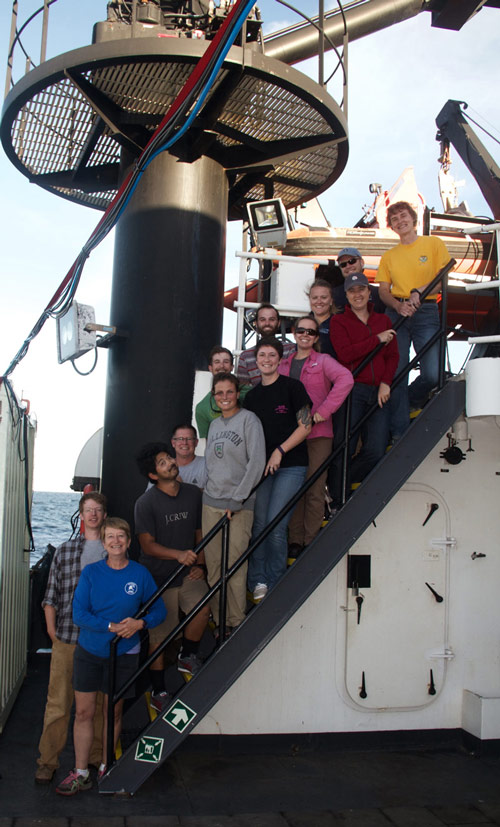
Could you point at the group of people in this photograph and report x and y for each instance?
(93, 592)
(267, 429)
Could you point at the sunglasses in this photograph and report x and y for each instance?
(345, 263)
(309, 331)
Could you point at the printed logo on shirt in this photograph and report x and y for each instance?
(178, 515)
(219, 450)
(131, 588)
(232, 436)
(422, 259)
(281, 409)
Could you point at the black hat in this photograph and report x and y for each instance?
(354, 279)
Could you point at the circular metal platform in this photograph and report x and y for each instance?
(275, 131)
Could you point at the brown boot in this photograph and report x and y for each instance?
(44, 774)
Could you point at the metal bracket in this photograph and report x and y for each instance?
(439, 542)
(442, 654)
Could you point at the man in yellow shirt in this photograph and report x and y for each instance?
(404, 272)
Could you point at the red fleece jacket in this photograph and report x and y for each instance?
(353, 340)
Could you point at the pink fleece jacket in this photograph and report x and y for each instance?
(326, 382)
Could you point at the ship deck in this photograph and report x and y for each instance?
(252, 782)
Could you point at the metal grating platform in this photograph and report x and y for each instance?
(64, 125)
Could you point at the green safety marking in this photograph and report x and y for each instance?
(179, 716)
(149, 749)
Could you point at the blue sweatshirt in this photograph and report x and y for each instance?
(105, 595)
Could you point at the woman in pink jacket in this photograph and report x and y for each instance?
(328, 384)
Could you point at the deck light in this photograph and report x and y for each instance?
(268, 222)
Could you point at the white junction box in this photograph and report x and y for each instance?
(481, 715)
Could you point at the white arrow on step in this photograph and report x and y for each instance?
(179, 715)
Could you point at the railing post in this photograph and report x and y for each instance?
(443, 340)
(12, 38)
(45, 27)
(223, 577)
(321, 43)
(345, 453)
(110, 723)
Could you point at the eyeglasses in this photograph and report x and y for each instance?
(308, 331)
(345, 263)
(183, 439)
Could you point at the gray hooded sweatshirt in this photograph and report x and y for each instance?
(235, 457)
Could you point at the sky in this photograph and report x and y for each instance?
(399, 79)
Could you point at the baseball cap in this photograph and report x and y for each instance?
(354, 279)
(349, 251)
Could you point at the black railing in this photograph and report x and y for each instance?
(223, 525)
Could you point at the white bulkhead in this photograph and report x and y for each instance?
(309, 679)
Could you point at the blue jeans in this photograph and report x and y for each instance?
(416, 330)
(268, 562)
(374, 433)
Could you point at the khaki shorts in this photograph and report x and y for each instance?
(180, 598)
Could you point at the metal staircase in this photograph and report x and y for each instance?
(193, 702)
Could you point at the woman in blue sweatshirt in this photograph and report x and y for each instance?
(108, 595)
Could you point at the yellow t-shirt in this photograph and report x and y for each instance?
(406, 266)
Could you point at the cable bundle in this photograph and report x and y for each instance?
(175, 124)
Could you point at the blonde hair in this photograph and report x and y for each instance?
(116, 522)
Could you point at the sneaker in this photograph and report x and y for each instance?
(260, 591)
(189, 664)
(227, 634)
(158, 700)
(101, 772)
(74, 784)
(44, 774)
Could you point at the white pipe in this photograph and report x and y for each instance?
(466, 228)
(479, 340)
(481, 285)
(277, 257)
(282, 309)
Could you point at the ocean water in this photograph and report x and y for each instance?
(51, 519)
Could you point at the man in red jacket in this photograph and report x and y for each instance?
(356, 333)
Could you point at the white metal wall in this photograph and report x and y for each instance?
(14, 556)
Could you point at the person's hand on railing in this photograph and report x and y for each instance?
(186, 558)
(127, 627)
(384, 393)
(386, 336)
(415, 298)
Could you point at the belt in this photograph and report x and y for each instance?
(430, 301)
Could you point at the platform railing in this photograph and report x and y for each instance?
(15, 39)
(223, 525)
